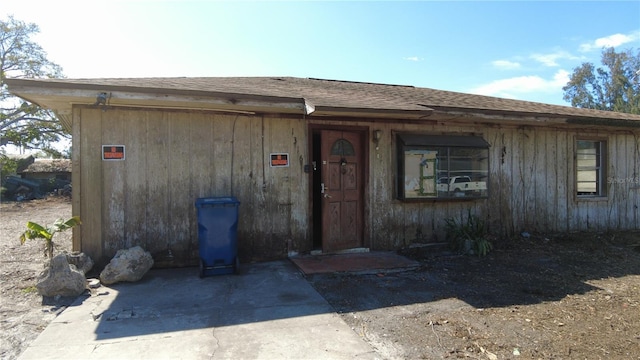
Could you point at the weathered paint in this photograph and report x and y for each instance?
(173, 157)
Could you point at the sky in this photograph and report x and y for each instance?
(513, 49)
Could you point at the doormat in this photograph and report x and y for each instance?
(362, 263)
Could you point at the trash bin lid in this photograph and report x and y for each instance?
(219, 200)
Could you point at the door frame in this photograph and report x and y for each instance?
(315, 209)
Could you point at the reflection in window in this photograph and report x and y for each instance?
(589, 168)
(429, 169)
(342, 147)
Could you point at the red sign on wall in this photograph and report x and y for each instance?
(279, 160)
(112, 152)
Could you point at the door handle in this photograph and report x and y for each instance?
(327, 196)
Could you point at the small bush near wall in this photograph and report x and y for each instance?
(468, 236)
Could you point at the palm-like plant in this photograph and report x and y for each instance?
(37, 231)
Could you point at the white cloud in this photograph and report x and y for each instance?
(551, 59)
(505, 64)
(413, 58)
(610, 41)
(510, 88)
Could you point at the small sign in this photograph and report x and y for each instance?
(112, 152)
(279, 159)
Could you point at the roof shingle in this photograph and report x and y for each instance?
(342, 94)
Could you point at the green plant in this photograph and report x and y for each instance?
(468, 236)
(29, 290)
(37, 231)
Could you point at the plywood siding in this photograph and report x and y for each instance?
(173, 158)
(532, 186)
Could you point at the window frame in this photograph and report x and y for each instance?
(600, 168)
(413, 141)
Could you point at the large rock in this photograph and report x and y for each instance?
(81, 260)
(61, 279)
(128, 265)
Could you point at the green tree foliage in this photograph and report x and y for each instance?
(24, 124)
(615, 86)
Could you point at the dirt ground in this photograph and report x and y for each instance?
(24, 313)
(564, 297)
(555, 297)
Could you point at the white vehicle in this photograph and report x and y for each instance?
(460, 185)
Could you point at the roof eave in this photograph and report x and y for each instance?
(523, 118)
(61, 97)
(372, 113)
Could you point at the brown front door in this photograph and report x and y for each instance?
(341, 189)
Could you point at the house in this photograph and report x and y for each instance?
(47, 170)
(330, 165)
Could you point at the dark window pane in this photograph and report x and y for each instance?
(342, 147)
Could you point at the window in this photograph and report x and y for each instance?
(442, 167)
(590, 168)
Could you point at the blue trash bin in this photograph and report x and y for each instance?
(217, 235)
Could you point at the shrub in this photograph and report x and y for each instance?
(468, 237)
(37, 231)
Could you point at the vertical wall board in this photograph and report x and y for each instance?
(113, 189)
(616, 192)
(632, 182)
(595, 215)
(299, 183)
(624, 179)
(413, 222)
(277, 137)
(244, 185)
(182, 243)
(381, 183)
(135, 140)
(547, 177)
(201, 160)
(530, 164)
(158, 185)
(258, 182)
(570, 176)
(76, 178)
(506, 188)
(393, 214)
(386, 196)
(220, 153)
(560, 192)
(634, 198)
(424, 230)
(493, 216)
(634, 162)
(518, 178)
(91, 184)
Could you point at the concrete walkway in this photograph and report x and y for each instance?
(269, 311)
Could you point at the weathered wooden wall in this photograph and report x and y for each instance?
(175, 157)
(532, 185)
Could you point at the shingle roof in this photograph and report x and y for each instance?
(344, 94)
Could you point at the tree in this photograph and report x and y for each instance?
(24, 124)
(614, 87)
